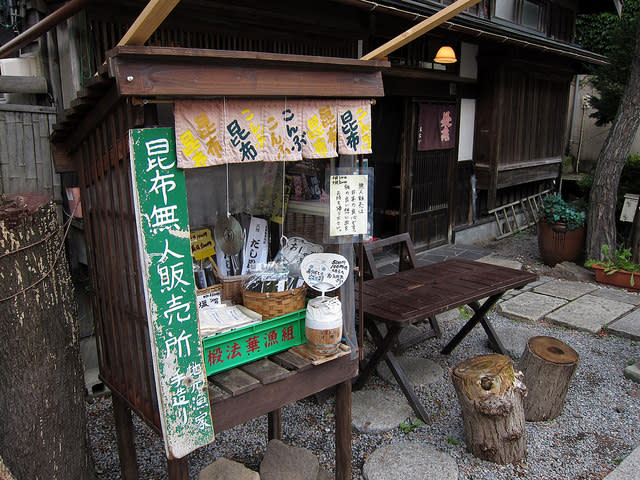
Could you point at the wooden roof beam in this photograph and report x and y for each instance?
(147, 22)
(420, 29)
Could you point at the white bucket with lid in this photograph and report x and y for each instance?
(323, 325)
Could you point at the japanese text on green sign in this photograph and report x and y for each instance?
(163, 230)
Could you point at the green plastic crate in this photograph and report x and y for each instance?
(246, 344)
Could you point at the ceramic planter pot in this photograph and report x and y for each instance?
(619, 278)
(559, 244)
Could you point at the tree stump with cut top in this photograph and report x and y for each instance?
(548, 366)
(490, 393)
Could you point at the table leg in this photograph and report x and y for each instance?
(384, 345)
(479, 316)
(384, 351)
(407, 387)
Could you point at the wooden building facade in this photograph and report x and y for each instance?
(508, 92)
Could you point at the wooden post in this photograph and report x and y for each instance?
(490, 393)
(548, 366)
(343, 430)
(125, 438)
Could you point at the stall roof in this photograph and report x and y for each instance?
(479, 28)
(168, 73)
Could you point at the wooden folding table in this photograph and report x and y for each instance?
(409, 296)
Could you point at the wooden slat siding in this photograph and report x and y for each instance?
(4, 153)
(120, 315)
(118, 186)
(28, 152)
(25, 152)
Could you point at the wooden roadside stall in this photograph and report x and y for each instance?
(122, 135)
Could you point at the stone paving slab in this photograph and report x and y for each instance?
(618, 294)
(588, 313)
(377, 411)
(529, 306)
(514, 338)
(419, 371)
(409, 461)
(501, 262)
(627, 326)
(629, 469)
(633, 372)
(565, 289)
(223, 468)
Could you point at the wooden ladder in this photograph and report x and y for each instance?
(506, 216)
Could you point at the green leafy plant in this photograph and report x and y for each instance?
(619, 260)
(452, 441)
(410, 425)
(465, 314)
(556, 210)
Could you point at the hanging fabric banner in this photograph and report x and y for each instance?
(215, 132)
(437, 125)
(354, 127)
(319, 120)
(199, 133)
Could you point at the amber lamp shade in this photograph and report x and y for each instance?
(445, 55)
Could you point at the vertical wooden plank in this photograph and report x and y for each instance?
(4, 153)
(11, 167)
(56, 181)
(274, 420)
(28, 151)
(178, 468)
(343, 431)
(125, 438)
(43, 183)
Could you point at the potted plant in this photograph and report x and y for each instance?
(560, 231)
(618, 269)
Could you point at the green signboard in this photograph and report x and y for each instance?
(165, 257)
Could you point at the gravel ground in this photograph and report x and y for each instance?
(600, 424)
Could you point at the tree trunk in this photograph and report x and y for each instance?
(601, 221)
(490, 393)
(548, 366)
(43, 432)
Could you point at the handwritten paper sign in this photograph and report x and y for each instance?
(202, 245)
(209, 298)
(348, 197)
(165, 261)
(324, 272)
(256, 249)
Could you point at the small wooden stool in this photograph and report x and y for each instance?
(548, 366)
(490, 393)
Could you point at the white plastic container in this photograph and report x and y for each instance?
(323, 325)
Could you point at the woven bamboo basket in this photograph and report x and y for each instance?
(275, 304)
(232, 288)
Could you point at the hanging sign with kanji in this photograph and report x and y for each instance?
(218, 131)
(165, 259)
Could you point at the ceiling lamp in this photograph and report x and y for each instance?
(445, 55)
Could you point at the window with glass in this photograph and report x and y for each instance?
(526, 13)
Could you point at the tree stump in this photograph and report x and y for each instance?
(490, 393)
(548, 366)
